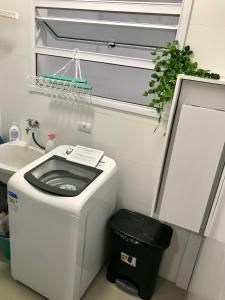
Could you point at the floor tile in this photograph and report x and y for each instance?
(100, 289)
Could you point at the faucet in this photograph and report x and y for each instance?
(32, 126)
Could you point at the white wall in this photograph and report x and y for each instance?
(208, 282)
(207, 39)
(128, 138)
(206, 34)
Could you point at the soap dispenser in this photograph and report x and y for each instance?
(14, 133)
(51, 142)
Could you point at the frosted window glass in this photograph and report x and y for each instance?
(109, 81)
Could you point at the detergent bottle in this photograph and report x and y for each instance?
(51, 142)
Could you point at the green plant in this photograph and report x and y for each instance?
(169, 63)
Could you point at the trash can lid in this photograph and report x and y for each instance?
(147, 230)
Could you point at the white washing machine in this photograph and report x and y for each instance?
(58, 211)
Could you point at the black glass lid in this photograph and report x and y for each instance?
(61, 177)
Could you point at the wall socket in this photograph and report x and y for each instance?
(85, 126)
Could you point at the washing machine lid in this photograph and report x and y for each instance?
(59, 176)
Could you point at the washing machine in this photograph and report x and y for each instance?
(59, 206)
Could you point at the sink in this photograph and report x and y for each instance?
(14, 156)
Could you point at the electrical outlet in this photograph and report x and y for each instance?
(85, 127)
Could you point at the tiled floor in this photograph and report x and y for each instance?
(100, 289)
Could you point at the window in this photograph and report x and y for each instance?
(114, 39)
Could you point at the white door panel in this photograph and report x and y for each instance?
(196, 154)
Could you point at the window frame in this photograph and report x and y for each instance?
(177, 9)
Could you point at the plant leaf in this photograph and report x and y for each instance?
(169, 63)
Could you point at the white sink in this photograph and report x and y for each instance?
(14, 156)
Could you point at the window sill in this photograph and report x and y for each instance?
(112, 5)
(125, 107)
(114, 105)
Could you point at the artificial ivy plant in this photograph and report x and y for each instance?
(169, 63)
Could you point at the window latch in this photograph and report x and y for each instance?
(111, 44)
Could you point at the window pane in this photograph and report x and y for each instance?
(129, 41)
(112, 16)
(125, 35)
(109, 81)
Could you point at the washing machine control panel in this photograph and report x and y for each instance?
(85, 156)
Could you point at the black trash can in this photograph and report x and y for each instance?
(137, 245)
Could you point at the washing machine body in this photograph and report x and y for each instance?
(58, 212)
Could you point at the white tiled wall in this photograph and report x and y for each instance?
(206, 34)
(209, 276)
(207, 39)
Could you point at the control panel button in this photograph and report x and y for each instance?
(69, 150)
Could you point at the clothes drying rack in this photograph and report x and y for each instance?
(59, 85)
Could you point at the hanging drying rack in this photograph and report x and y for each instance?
(58, 85)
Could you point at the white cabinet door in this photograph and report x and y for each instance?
(195, 158)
